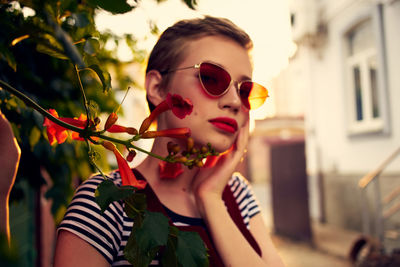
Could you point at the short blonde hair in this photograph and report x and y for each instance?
(171, 46)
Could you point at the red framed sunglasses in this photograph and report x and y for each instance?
(216, 81)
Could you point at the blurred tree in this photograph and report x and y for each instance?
(40, 42)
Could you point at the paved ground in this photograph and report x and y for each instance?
(330, 249)
(330, 246)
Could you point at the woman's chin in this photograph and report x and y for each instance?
(219, 143)
(221, 147)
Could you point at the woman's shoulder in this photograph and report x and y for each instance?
(238, 181)
(97, 179)
(85, 198)
(84, 218)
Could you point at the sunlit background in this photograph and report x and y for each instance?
(266, 21)
(311, 104)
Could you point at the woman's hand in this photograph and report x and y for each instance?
(230, 243)
(9, 159)
(210, 182)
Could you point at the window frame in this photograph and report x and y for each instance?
(369, 125)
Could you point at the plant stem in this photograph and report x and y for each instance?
(85, 102)
(132, 207)
(29, 102)
(129, 145)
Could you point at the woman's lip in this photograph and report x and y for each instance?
(225, 124)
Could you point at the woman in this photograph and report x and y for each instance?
(196, 194)
(207, 61)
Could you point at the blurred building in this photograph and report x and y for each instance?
(345, 73)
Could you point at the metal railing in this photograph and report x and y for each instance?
(380, 213)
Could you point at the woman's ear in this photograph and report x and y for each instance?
(153, 82)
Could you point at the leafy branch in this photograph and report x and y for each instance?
(151, 233)
(65, 31)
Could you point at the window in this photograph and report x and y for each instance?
(365, 108)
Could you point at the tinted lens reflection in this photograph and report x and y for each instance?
(252, 94)
(215, 79)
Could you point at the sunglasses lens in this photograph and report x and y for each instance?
(214, 79)
(252, 94)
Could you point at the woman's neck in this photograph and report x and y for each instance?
(175, 193)
(150, 170)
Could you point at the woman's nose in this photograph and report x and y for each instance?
(231, 99)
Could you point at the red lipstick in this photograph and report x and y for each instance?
(224, 123)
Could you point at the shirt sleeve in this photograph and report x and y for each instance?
(245, 197)
(84, 218)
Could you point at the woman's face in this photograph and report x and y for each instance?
(215, 120)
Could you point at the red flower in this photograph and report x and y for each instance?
(179, 106)
(173, 133)
(131, 155)
(59, 134)
(80, 122)
(111, 120)
(127, 176)
(169, 170)
(122, 129)
(55, 133)
(211, 161)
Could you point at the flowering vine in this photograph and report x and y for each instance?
(87, 128)
(67, 33)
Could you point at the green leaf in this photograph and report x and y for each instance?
(191, 250)
(134, 205)
(34, 136)
(94, 109)
(12, 103)
(81, 19)
(190, 3)
(113, 6)
(135, 255)
(146, 238)
(6, 55)
(50, 46)
(153, 232)
(104, 77)
(107, 192)
(169, 257)
(50, 51)
(91, 46)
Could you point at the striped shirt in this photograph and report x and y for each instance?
(109, 232)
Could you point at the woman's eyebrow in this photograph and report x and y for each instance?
(245, 78)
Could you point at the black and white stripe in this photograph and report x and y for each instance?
(109, 232)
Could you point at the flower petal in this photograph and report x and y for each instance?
(55, 133)
(160, 108)
(122, 129)
(179, 106)
(211, 161)
(111, 120)
(173, 133)
(169, 170)
(127, 176)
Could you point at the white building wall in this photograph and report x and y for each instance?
(318, 68)
(320, 71)
(342, 153)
